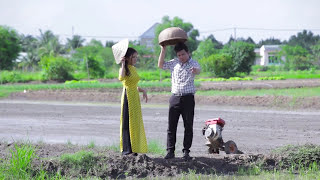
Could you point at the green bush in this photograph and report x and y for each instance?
(222, 64)
(242, 54)
(18, 77)
(80, 75)
(56, 68)
(10, 77)
(95, 68)
(111, 75)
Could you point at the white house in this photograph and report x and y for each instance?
(268, 55)
(147, 37)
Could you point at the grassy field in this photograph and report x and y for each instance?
(156, 75)
(292, 92)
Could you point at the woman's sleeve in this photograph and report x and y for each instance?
(121, 78)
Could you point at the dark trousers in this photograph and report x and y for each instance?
(126, 143)
(180, 105)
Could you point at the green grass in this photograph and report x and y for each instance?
(292, 92)
(91, 144)
(308, 74)
(19, 164)
(18, 76)
(114, 147)
(156, 75)
(82, 160)
(297, 157)
(155, 147)
(5, 90)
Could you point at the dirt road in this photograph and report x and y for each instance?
(255, 130)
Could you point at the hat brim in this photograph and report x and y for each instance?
(119, 50)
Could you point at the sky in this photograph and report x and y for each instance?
(118, 19)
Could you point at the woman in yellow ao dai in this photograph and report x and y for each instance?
(132, 135)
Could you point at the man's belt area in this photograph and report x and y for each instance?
(182, 94)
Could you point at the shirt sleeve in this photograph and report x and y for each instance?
(169, 64)
(196, 64)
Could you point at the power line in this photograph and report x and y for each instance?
(266, 29)
(257, 29)
(216, 30)
(208, 31)
(98, 36)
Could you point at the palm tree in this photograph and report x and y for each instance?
(49, 44)
(51, 48)
(75, 42)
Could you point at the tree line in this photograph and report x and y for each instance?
(59, 61)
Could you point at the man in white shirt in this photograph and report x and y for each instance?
(183, 70)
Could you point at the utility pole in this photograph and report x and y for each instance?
(87, 67)
(72, 38)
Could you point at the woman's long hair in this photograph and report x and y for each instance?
(129, 53)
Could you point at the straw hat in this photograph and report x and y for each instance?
(172, 36)
(119, 50)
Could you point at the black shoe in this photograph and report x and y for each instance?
(170, 155)
(186, 156)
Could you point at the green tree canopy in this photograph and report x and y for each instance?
(49, 45)
(205, 49)
(295, 58)
(95, 42)
(146, 60)
(109, 43)
(217, 44)
(315, 54)
(30, 46)
(75, 42)
(9, 47)
(305, 39)
(269, 41)
(242, 54)
(100, 54)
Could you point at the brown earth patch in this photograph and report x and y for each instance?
(109, 164)
(113, 95)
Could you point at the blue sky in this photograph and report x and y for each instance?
(117, 19)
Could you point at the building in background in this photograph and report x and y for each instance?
(268, 55)
(148, 36)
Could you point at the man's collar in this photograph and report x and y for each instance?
(185, 62)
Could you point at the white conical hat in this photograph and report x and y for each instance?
(119, 50)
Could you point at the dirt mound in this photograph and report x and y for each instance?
(103, 163)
